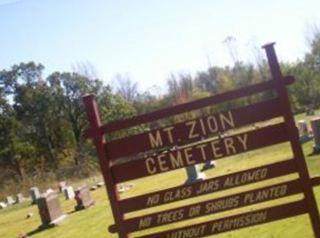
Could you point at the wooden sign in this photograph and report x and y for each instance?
(214, 136)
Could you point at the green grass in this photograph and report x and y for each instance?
(94, 222)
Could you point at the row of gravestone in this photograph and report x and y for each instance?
(19, 198)
(306, 133)
(49, 205)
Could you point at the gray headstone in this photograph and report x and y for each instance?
(68, 192)
(193, 175)
(50, 210)
(35, 194)
(310, 111)
(83, 198)
(315, 125)
(303, 131)
(20, 198)
(10, 200)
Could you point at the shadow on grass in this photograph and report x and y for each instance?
(71, 212)
(39, 229)
(313, 153)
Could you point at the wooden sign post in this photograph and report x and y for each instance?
(195, 141)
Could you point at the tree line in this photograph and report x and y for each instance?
(43, 122)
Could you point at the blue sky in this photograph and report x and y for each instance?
(149, 39)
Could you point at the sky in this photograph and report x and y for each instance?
(150, 39)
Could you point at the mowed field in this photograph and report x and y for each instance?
(94, 222)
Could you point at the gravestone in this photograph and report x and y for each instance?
(3, 205)
(83, 198)
(68, 192)
(20, 198)
(310, 110)
(124, 187)
(121, 188)
(93, 187)
(10, 200)
(303, 131)
(100, 184)
(209, 164)
(315, 125)
(35, 194)
(194, 175)
(50, 210)
(62, 185)
(49, 190)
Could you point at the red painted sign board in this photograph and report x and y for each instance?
(210, 137)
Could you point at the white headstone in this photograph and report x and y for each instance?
(20, 198)
(35, 194)
(93, 187)
(68, 192)
(121, 188)
(100, 184)
(193, 175)
(10, 200)
(61, 185)
(3, 205)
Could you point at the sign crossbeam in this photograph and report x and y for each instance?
(216, 184)
(213, 206)
(234, 222)
(201, 152)
(194, 130)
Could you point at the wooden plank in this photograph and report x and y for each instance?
(216, 184)
(98, 139)
(193, 130)
(315, 181)
(212, 206)
(234, 222)
(200, 153)
(194, 105)
(294, 138)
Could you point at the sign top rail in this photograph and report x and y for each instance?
(189, 106)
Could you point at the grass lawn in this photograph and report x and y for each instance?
(94, 222)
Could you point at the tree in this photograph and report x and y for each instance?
(126, 88)
(67, 91)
